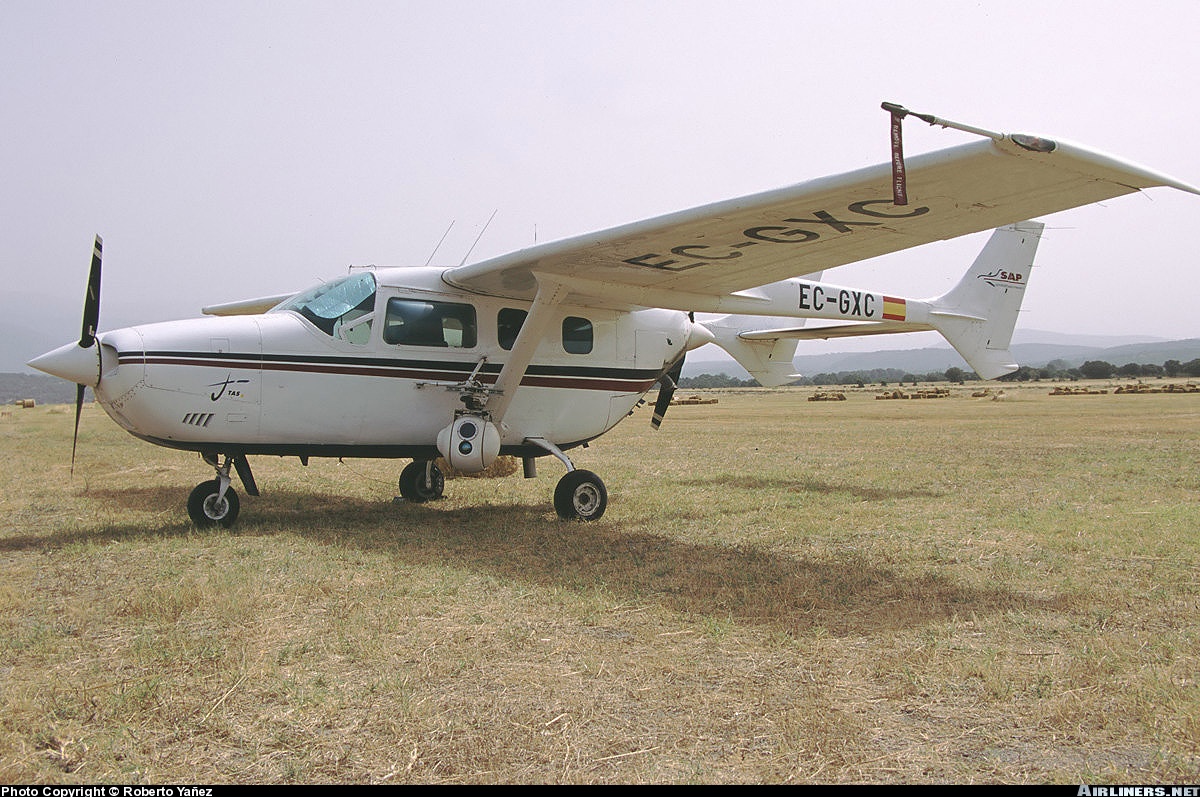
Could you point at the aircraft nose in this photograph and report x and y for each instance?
(71, 362)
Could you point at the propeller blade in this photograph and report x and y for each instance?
(78, 408)
(87, 335)
(91, 302)
(668, 382)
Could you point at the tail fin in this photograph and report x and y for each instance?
(768, 360)
(977, 316)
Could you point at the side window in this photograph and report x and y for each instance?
(508, 326)
(577, 335)
(418, 322)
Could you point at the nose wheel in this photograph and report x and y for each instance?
(209, 506)
(214, 502)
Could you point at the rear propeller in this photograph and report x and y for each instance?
(666, 391)
(87, 335)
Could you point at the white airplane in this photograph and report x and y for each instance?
(540, 351)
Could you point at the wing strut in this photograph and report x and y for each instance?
(550, 293)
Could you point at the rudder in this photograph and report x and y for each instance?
(977, 316)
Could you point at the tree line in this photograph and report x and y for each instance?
(1059, 370)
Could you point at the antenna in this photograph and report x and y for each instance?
(439, 243)
(481, 232)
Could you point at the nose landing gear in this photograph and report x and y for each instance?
(210, 506)
(215, 502)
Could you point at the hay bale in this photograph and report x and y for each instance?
(690, 400)
(503, 466)
(1076, 391)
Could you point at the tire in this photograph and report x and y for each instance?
(206, 512)
(580, 495)
(412, 483)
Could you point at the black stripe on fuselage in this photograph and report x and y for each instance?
(563, 376)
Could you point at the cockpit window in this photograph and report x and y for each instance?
(342, 309)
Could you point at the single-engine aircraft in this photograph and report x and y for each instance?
(538, 352)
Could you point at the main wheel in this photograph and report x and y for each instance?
(206, 511)
(580, 495)
(412, 483)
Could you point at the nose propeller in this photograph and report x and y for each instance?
(87, 335)
(698, 335)
(79, 362)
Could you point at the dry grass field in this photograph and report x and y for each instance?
(958, 590)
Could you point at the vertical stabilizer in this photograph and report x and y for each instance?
(978, 315)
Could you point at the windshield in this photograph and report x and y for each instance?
(331, 302)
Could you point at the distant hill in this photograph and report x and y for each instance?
(41, 388)
(926, 360)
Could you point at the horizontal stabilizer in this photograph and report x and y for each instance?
(838, 331)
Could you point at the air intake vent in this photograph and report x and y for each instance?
(197, 418)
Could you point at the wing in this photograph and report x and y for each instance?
(738, 244)
(246, 306)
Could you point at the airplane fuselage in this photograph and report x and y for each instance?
(307, 380)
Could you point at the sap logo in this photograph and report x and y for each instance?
(1004, 278)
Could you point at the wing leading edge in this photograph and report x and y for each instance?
(678, 260)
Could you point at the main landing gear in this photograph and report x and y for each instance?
(580, 494)
(421, 481)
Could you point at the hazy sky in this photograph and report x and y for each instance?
(234, 150)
